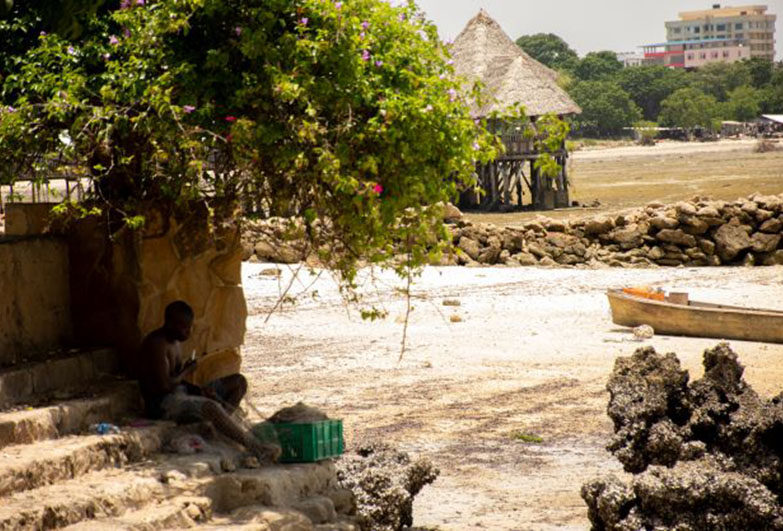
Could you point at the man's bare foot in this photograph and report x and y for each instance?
(266, 453)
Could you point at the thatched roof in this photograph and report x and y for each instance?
(483, 51)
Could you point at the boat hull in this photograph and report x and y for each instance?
(697, 319)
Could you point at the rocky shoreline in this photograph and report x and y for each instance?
(696, 233)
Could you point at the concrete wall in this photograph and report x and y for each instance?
(34, 297)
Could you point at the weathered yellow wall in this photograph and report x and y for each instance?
(121, 288)
(34, 297)
(26, 219)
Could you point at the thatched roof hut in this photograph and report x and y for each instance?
(483, 51)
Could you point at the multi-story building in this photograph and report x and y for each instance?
(630, 58)
(726, 34)
(695, 53)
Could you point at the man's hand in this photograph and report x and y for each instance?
(188, 368)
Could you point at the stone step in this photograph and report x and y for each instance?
(180, 512)
(256, 517)
(30, 466)
(273, 486)
(100, 494)
(32, 382)
(114, 399)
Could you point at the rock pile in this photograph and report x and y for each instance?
(705, 456)
(699, 232)
(384, 482)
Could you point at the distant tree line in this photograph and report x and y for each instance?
(613, 97)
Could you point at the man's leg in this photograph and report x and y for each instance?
(213, 412)
(182, 407)
(230, 390)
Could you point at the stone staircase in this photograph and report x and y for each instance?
(55, 474)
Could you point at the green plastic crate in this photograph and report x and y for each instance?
(310, 441)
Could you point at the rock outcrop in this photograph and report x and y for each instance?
(384, 482)
(704, 456)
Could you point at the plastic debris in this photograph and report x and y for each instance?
(104, 428)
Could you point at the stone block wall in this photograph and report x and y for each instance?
(694, 233)
(34, 297)
(122, 286)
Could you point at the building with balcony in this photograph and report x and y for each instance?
(749, 25)
(695, 53)
(630, 59)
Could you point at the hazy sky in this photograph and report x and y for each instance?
(586, 25)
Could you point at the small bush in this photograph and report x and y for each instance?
(765, 145)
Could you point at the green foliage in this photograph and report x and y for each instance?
(342, 114)
(550, 50)
(718, 79)
(772, 93)
(531, 438)
(744, 103)
(597, 66)
(550, 138)
(647, 132)
(606, 108)
(689, 108)
(760, 70)
(648, 86)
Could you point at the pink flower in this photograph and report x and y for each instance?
(238, 30)
(378, 189)
(139, 2)
(113, 40)
(126, 32)
(106, 56)
(187, 109)
(379, 63)
(42, 34)
(452, 94)
(230, 118)
(71, 50)
(125, 4)
(365, 25)
(365, 55)
(303, 21)
(338, 5)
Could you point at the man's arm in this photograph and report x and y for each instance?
(158, 369)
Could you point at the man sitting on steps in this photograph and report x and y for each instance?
(168, 396)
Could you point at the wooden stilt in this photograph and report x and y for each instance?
(493, 185)
(507, 185)
(519, 175)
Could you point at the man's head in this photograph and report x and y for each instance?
(178, 320)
